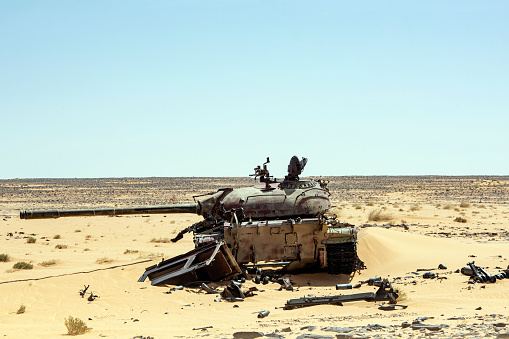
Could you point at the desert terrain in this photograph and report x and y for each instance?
(406, 224)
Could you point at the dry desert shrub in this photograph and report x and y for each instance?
(151, 256)
(160, 240)
(76, 326)
(57, 236)
(48, 263)
(379, 215)
(21, 309)
(21, 265)
(460, 219)
(77, 231)
(130, 251)
(104, 260)
(448, 207)
(31, 240)
(370, 203)
(414, 208)
(61, 247)
(357, 206)
(465, 204)
(402, 295)
(4, 257)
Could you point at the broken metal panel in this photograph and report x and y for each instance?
(273, 240)
(211, 262)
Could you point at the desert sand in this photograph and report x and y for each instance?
(110, 253)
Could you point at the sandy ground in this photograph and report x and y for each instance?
(110, 253)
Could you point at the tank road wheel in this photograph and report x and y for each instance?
(342, 258)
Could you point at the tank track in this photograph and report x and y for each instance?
(343, 259)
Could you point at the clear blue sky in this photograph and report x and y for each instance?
(211, 88)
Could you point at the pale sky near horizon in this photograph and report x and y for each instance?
(211, 88)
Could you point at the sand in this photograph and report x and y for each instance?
(110, 253)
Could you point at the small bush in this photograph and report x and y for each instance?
(21, 265)
(31, 240)
(370, 203)
(460, 219)
(103, 260)
(48, 263)
(130, 251)
(379, 215)
(61, 247)
(4, 257)
(76, 326)
(160, 240)
(448, 207)
(402, 295)
(465, 205)
(414, 208)
(77, 231)
(57, 236)
(357, 206)
(21, 309)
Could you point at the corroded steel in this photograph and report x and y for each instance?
(273, 221)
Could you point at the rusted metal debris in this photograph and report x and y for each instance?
(233, 292)
(211, 262)
(384, 293)
(480, 275)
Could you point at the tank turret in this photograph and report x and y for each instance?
(269, 200)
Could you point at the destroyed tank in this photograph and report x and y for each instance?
(285, 223)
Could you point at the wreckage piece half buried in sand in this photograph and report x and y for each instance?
(210, 262)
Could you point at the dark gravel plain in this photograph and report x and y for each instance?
(34, 194)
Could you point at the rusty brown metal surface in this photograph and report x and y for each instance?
(269, 222)
(212, 262)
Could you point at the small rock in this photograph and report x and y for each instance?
(339, 329)
(247, 335)
(314, 336)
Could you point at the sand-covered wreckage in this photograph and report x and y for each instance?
(285, 223)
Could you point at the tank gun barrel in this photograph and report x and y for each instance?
(48, 214)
